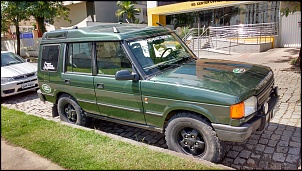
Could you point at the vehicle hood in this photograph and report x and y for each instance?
(231, 77)
(18, 69)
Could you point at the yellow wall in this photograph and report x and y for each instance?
(158, 13)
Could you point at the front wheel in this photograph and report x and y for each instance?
(69, 111)
(193, 135)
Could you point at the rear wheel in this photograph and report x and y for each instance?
(69, 111)
(193, 135)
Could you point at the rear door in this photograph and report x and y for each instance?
(77, 75)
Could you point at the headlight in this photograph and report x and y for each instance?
(244, 108)
(6, 80)
(250, 105)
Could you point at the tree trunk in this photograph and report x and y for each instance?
(41, 26)
(18, 37)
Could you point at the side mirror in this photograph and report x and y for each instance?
(27, 59)
(126, 75)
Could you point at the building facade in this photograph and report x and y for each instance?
(212, 13)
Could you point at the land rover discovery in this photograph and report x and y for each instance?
(147, 77)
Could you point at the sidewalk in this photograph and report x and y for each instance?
(17, 158)
(278, 148)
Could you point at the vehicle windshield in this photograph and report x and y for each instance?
(158, 53)
(10, 58)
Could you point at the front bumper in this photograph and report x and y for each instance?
(16, 87)
(243, 132)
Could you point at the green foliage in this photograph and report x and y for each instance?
(288, 7)
(127, 7)
(15, 12)
(43, 10)
(82, 149)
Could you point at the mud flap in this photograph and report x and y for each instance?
(54, 110)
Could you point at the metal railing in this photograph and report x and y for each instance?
(229, 36)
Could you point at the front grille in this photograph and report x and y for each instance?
(26, 81)
(265, 93)
(24, 76)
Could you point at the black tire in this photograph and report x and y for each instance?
(69, 111)
(192, 135)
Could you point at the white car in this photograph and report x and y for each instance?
(17, 75)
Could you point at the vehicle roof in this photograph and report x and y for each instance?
(103, 32)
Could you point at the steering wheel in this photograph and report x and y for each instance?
(166, 51)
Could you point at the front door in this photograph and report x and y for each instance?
(115, 98)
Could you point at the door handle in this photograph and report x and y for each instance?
(100, 85)
(67, 81)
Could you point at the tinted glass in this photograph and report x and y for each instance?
(111, 58)
(50, 55)
(79, 57)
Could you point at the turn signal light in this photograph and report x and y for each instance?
(237, 111)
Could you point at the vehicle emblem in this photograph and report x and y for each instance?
(25, 76)
(46, 88)
(239, 70)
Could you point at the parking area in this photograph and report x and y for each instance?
(277, 147)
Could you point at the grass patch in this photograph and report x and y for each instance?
(78, 149)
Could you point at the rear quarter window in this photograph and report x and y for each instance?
(50, 56)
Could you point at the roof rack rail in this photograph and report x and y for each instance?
(159, 24)
(115, 30)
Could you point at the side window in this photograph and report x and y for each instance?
(111, 58)
(79, 57)
(50, 55)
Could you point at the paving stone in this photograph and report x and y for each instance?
(287, 132)
(250, 161)
(280, 157)
(235, 166)
(296, 139)
(282, 149)
(256, 156)
(289, 166)
(294, 151)
(252, 141)
(276, 166)
(260, 147)
(237, 148)
(250, 146)
(245, 154)
(227, 161)
(239, 160)
(283, 143)
(232, 154)
(295, 144)
(263, 165)
(263, 141)
(269, 150)
(275, 137)
(272, 143)
(255, 137)
(293, 158)
(285, 137)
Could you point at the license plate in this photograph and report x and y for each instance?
(26, 85)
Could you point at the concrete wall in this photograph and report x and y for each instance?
(105, 11)
(77, 14)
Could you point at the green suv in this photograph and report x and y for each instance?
(147, 77)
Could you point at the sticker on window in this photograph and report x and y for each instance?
(48, 66)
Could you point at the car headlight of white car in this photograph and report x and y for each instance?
(5, 80)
